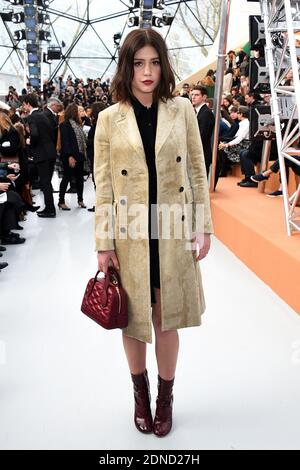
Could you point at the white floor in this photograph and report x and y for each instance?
(64, 382)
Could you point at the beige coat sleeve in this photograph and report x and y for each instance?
(197, 174)
(104, 234)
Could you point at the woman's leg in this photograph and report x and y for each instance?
(166, 347)
(166, 343)
(64, 182)
(136, 356)
(78, 172)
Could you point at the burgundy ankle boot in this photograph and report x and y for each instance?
(163, 417)
(142, 413)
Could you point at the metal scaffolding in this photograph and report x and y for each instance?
(87, 23)
(282, 22)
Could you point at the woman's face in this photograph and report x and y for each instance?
(226, 103)
(81, 111)
(147, 71)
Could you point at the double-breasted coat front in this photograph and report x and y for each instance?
(121, 176)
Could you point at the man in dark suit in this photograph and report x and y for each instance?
(206, 122)
(42, 150)
(54, 106)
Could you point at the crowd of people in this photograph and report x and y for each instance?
(54, 128)
(41, 132)
(235, 145)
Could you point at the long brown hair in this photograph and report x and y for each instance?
(5, 122)
(122, 81)
(72, 113)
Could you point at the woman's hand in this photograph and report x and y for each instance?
(4, 186)
(11, 177)
(203, 241)
(104, 257)
(222, 146)
(72, 162)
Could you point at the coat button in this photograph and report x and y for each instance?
(124, 172)
(123, 230)
(181, 189)
(178, 159)
(183, 218)
(123, 202)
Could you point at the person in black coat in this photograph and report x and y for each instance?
(42, 150)
(73, 153)
(54, 106)
(206, 122)
(96, 109)
(229, 135)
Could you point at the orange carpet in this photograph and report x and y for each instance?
(252, 225)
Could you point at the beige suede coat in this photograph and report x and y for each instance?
(121, 175)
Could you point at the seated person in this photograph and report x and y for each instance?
(250, 158)
(9, 201)
(230, 152)
(232, 131)
(274, 169)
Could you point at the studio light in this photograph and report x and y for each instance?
(44, 36)
(19, 35)
(7, 16)
(167, 19)
(44, 19)
(133, 21)
(134, 3)
(117, 39)
(157, 22)
(54, 53)
(159, 4)
(46, 58)
(18, 17)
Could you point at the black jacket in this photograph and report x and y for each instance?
(206, 123)
(90, 144)
(54, 124)
(229, 135)
(42, 147)
(69, 145)
(12, 137)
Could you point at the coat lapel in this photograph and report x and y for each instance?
(127, 124)
(165, 123)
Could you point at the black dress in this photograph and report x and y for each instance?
(147, 122)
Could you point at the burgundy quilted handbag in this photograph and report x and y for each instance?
(105, 301)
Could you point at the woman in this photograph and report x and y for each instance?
(9, 139)
(148, 151)
(73, 154)
(95, 110)
(240, 142)
(227, 81)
